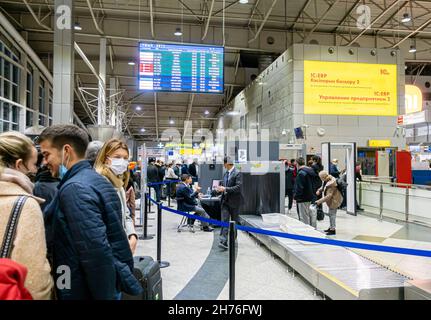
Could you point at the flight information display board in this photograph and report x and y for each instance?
(181, 68)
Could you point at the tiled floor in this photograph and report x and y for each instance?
(199, 269)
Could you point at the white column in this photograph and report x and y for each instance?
(101, 105)
(63, 62)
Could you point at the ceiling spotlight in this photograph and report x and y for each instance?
(243, 1)
(207, 112)
(142, 130)
(178, 32)
(77, 26)
(131, 63)
(406, 18)
(171, 121)
(412, 49)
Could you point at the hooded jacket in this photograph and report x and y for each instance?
(330, 194)
(45, 187)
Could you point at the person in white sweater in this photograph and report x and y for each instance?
(170, 175)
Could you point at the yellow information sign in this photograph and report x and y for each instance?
(379, 143)
(345, 88)
(190, 151)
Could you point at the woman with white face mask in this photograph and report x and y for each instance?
(112, 162)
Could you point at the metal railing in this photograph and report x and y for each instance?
(392, 191)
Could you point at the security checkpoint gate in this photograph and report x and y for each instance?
(301, 150)
(350, 169)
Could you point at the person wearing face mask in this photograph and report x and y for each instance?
(112, 163)
(86, 233)
(18, 157)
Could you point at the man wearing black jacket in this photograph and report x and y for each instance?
(231, 198)
(153, 176)
(303, 192)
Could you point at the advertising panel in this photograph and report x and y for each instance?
(345, 88)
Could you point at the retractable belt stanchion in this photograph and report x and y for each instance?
(232, 260)
(163, 264)
(146, 236)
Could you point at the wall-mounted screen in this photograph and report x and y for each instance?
(181, 68)
(345, 88)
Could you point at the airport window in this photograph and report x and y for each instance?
(258, 119)
(28, 118)
(29, 89)
(42, 96)
(50, 107)
(9, 117)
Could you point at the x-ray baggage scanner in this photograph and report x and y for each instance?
(350, 149)
(286, 149)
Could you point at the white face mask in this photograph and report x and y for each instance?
(119, 166)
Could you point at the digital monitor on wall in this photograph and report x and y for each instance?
(181, 68)
(346, 88)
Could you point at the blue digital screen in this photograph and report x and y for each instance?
(181, 68)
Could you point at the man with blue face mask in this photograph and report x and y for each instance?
(84, 229)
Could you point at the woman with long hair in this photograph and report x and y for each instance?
(18, 158)
(112, 162)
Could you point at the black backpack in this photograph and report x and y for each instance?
(341, 184)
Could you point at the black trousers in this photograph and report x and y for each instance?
(289, 193)
(228, 214)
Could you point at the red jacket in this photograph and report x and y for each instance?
(12, 278)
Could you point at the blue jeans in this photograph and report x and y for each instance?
(118, 296)
(158, 191)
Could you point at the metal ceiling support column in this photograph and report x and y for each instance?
(393, 15)
(35, 16)
(156, 115)
(321, 19)
(94, 17)
(101, 105)
(152, 19)
(423, 25)
(263, 22)
(188, 8)
(63, 83)
(85, 59)
(300, 13)
(208, 20)
(374, 21)
(349, 12)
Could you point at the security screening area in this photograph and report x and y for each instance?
(215, 150)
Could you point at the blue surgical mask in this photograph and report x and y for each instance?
(62, 170)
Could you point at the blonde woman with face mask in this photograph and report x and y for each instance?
(112, 162)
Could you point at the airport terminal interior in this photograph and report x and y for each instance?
(274, 149)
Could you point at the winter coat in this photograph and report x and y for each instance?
(330, 194)
(45, 187)
(303, 190)
(29, 246)
(87, 236)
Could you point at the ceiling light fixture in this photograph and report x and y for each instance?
(178, 32)
(243, 1)
(138, 108)
(131, 63)
(412, 49)
(406, 18)
(171, 121)
(142, 130)
(207, 112)
(77, 26)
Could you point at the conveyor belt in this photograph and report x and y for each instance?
(336, 271)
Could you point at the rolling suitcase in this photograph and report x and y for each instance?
(147, 271)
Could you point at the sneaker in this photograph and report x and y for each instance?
(207, 229)
(223, 245)
(327, 230)
(331, 233)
